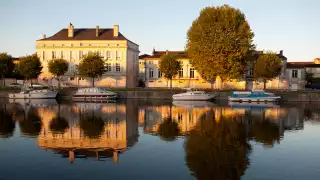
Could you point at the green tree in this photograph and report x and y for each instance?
(219, 43)
(6, 65)
(92, 66)
(168, 129)
(169, 66)
(267, 67)
(58, 67)
(217, 149)
(30, 67)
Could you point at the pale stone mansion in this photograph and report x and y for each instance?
(120, 54)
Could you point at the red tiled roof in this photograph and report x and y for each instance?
(144, 56)
(299, 65)
(86, 34)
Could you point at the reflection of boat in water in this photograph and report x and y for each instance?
(94, 94)
(253, 96)
(34, 94)
(253, 105)
(193, 96)
(193, 104)
(34, 102)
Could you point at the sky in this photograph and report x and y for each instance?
(288, 25)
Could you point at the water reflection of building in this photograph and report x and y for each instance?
(187, 118)
(120, 130)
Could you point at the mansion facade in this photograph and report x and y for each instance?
(120, 54)
(188, 77)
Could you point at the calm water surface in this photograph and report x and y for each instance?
(158, 140)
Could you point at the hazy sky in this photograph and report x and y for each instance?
(289, 25)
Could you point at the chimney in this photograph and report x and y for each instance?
(281, 52)
(97, 31)
(44, 36)
(70, 30)
(116, 30)
(153, 52)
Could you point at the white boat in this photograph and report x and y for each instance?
(253, 96)
(94, 94)
(193, 96)
(34, 94)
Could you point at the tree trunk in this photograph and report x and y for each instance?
(92, 82)
(264, 84)
(171, 83)
(31, 82)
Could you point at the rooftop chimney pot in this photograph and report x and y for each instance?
(97, 31)
(116, 30)
(70, 30)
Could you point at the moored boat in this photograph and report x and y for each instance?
(94, 94)
(34, 94)
(253, 96)
(193, 96)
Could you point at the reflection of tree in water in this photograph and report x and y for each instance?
(92, 125)
(168, 129)
(59, 125)
(31, 124)
(265, 132)
(217, 149)
(7, 125)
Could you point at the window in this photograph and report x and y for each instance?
(80, 44)
(71, 78)
(117, 67)
(81, 78)
(150, 62)
(181, 73)
(108, 55)
(159, 74)
(108, 67)
(117, 55)
(191, 72)
(250, 72)
(70, 55)
(43, 55)
(53, 54)
(61, 54)
(295, 73)
(80, 54)
(151, 73)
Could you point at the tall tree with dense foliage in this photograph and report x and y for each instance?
(92, 66)
(6, 65)
(169, 66)
(219, 43)
(268, 66)
(30, 67)
(58, 67)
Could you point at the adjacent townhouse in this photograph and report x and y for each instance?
(188, 77)
(298, 72)
(71, 44)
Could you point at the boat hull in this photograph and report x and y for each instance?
(256, 99)
(48, 95)
(193, 97)
(93, 98)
